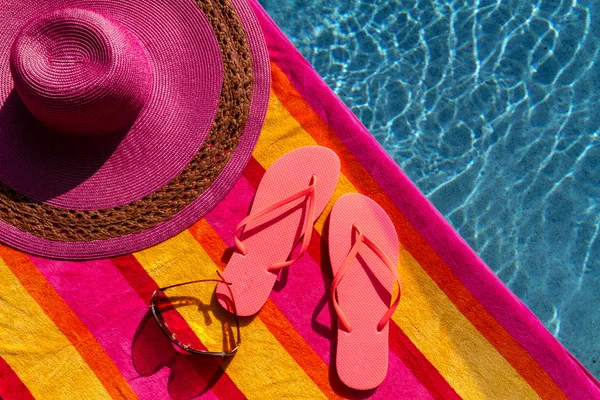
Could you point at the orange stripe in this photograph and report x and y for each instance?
(66, 320)
(270, 315)
(487, 325)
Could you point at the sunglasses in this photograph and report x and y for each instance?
(188, 314)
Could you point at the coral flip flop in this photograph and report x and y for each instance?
(363, 248)
(290, 197)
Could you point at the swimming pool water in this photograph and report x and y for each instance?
(492, 109)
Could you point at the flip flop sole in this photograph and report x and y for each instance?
(365, 291)
(271, 238)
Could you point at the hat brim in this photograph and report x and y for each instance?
(198, 207)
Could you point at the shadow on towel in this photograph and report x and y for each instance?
(191, 375)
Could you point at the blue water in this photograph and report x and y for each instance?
(492, 109)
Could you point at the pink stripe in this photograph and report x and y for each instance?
(502, 304)
(305, 290)
(109, 307)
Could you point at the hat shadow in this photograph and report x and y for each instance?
(191, 375)
(50, 163)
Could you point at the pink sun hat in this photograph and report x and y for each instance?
(122, 123)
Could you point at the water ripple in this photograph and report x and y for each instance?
(490, 108)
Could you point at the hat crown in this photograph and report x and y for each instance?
(79, 72)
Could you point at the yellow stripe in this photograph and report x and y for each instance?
(470, 364)
(37, 350)
(262, 368)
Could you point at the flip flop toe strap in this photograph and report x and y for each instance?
(360, 240)
(310, 193)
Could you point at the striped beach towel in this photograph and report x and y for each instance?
(82, 330)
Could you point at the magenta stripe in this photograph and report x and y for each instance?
(305, 290)
(112, 318)
(502, 304)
